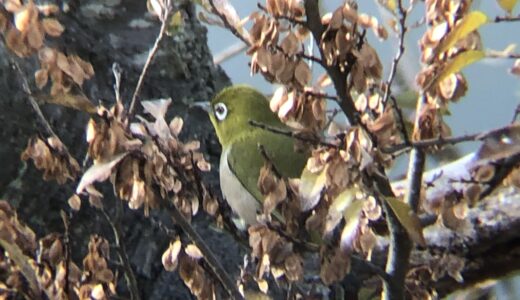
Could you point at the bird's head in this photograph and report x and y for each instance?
(232, 109)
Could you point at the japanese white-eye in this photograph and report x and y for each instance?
(241, 160)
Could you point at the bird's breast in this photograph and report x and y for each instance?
(237, 196)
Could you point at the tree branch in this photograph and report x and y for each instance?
(338, 77)
(123, 257)
(228, 25)
(149, 59)
(26, 88)
(489, 245)
(501, 19)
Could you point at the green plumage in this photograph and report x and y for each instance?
(240, 144)
(245, 159)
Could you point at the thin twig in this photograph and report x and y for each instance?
(290, 134)
(441, 141)
(400, 244)
(26, 88)
(228, 25)
(374, 269)
(123, 257)
(116, 70)
(149, 59)
(321, 95)
(393, 71)
(398, 55)
(500, 55)
(400, 119)
(282, 17)
(310, 57)
(499, 19)
(300, 55)
(66, 246)
(228, 53)
(516, 114)
(338, 77)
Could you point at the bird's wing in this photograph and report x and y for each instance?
(245, 158)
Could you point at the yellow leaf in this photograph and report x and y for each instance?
(175, 24)
(351, 215)
(338, 206)
(311, 185)
(468, 24)
(507, 5)
(391, 5)
(408, 219)
(76, 101)
(459, 62)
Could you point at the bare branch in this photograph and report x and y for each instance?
(149, 59)
(123, 257)
(441, 141)
(291, 134)
(501, 19)
(338, 77)
(26, 88)
(229, 52)
(400, 243)
(228, 25)
(282, 17)
(393, 71)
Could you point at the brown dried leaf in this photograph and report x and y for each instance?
(516, 68)
(193, 252)
(41, 77)
(26, 17)
(334, 266)
(52, 27)
(170, 256)
(290, 44)
(76, 101)
(408, 219)
(74, 202)
(35, 37)
(176, 126)
(302, 73)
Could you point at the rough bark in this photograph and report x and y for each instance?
(488, 247)
(101, 33)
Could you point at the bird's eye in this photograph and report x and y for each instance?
(220, 111)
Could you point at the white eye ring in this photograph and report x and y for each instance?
(220, 110)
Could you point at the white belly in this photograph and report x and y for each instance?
(236, 195)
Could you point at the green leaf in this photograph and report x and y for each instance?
(507, 5)
(22, 261)
(175, 24)
(459, 62)
(337, 208)
(408, 219)
(468, 24)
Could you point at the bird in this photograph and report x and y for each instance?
(231, 112)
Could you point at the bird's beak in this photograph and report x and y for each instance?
(203, 105)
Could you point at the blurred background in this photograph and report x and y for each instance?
(490, 102)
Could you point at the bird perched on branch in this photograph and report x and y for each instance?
(231, 113)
